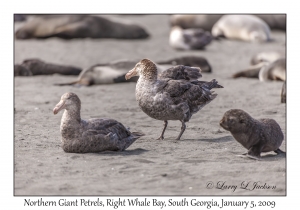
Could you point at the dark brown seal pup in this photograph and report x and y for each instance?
(263, 135)
(191, 60)
(38, 67)
(78, 26)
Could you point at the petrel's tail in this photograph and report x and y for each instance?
(208, 85)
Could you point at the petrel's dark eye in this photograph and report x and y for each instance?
(241, 121)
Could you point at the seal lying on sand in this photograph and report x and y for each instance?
(188, 39)
(93, 135)
(78, 26)
(106, 73)
(205, 22)
(265, 71)
(38, 67)
(275, 21)
(263, 135)
(114, 72)
(274, 71)
(191, 60)
(242, 27)
(20, 70)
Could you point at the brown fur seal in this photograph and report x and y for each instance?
(205, 22)
(78, 26)
(20, 70)
(283, 93)
(188, 39)
(242, 27)
(197, 61)
(39, 67)
(107, 73)
(275, 21)
(263, 135)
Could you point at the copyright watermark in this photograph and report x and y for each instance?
(245, 185)
(209, 185)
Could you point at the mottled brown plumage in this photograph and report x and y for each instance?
(189, 60)
(175, 94)
(93, 135)
(263, 135)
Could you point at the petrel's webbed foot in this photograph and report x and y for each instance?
(161, 137)
(182, 130)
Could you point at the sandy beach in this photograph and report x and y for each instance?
(204, 157)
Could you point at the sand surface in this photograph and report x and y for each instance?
(205, 154)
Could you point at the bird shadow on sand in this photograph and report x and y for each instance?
(215, 140)
(127, 152)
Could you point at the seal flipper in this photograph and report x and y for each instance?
(253, 157)
(246, 155)
(255, 150)
(83, 81)
(250, 72)
(279, 151)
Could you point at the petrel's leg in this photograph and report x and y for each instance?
(161, 137)
(182, 130)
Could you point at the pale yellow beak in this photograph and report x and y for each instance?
(133, 72)
(59, 107)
